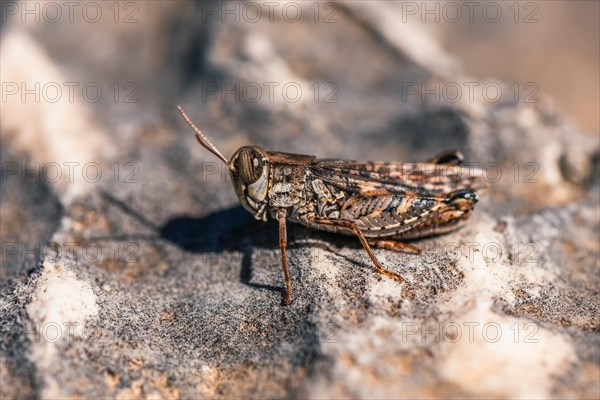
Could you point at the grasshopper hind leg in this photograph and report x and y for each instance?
(351, 225)
(395, 245)
(449, 157)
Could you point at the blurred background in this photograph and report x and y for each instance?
(94, 153)
(524, 42)
(563, 38)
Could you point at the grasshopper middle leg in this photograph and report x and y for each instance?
(351, 225)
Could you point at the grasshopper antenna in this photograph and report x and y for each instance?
(203, 140)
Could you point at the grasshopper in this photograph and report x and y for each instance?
(381, 203)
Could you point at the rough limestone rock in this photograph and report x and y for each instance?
(153, 282)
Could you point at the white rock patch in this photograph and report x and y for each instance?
(495, 354)
(59, 309)
(504, 357)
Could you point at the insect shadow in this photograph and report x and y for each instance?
(231, 229)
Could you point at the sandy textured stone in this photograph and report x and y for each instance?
(184, 297)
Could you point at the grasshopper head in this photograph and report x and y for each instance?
(249, 168)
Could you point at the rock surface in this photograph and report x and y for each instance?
(153, 282)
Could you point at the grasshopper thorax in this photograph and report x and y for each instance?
(249, 168)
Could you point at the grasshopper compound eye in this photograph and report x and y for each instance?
(249, 169)
(250, 165)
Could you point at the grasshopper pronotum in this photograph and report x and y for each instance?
(379, 202)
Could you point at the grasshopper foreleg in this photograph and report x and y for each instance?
(281, 217)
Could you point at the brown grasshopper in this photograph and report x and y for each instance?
(379, 202)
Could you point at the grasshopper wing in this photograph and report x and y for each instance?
(392, 199)
(421, 179)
